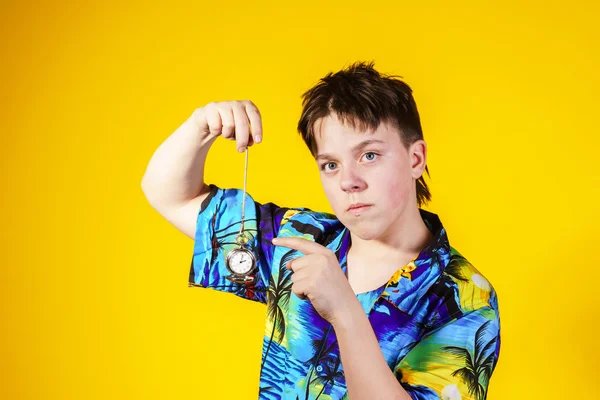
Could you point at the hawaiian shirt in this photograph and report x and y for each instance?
(436, 319)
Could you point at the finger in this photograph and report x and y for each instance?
(227, 121)
(242, 130)
(198, 117)
(294, 264)
(299, 275)
(213, 119)
(255, 121)
(300, 263)
(300, 289)
(303, 245)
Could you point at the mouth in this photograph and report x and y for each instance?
(359, 208)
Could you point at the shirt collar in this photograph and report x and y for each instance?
(411, 281)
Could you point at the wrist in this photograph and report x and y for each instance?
(348, 315)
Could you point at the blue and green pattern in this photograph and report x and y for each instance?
(436, 319)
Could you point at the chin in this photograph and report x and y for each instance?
(366, 229)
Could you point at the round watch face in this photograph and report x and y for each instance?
(240, 261)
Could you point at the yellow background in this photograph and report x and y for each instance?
(94, 293)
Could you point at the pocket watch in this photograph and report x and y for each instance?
(241, 261)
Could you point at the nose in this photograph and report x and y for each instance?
(351, 181)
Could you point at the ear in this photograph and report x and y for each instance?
(418, 158)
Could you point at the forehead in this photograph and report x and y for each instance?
(332, 134)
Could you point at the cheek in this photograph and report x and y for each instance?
(395, 189)
(332, 192)
(391, 198)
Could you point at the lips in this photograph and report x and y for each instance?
(357, 205)
(359, 208)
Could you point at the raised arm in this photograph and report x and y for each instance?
(174, 179)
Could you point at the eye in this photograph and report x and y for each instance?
(370, 156)
(329, 164)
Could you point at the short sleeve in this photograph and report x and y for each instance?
(456, 360)
(217, 225)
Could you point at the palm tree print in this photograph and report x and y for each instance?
(321, 350)
(328, 372)
(222, 237)
(279, 297)
(478, 368)
(455, 267)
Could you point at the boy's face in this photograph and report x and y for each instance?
(372, 168)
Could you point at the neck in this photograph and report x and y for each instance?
(405, 239)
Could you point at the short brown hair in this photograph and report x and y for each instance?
(364, 98)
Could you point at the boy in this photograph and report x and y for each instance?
(369, 303)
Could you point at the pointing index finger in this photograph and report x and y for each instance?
(303, 245)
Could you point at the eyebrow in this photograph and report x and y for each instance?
(356, 149)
